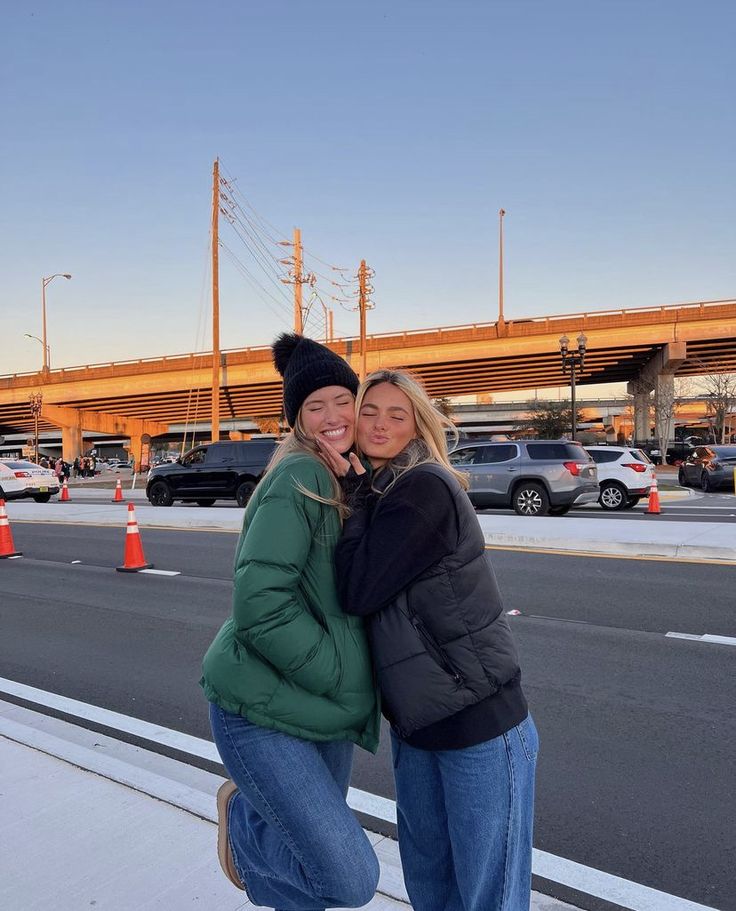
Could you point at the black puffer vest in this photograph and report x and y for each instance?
(444, 643)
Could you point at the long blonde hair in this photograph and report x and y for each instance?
(297, 441)
(431, 424)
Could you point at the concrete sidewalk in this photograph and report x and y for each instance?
(89, 821)
(566, 534)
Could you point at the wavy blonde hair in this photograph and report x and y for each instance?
(431, 424)
(297, 441)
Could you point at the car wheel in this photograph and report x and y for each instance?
(613, 496)
(208, 502)
(160, 494)
(559, 510)
(705, 484)
(681, 477)
(531, 499)
(631, 502)
(244, 492)
(41, 497)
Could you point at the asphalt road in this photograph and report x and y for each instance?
(638, 730)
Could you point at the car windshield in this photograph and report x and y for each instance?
(20, 466)
(725, 453)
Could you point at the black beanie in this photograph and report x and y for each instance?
(307, 366)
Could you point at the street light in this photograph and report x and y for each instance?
(47, 281)
(40, 342)
(36, 400)
(571, 361)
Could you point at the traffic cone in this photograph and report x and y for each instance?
(118, 498)
(134, 559)
(65, 498)
(7, 548)
(653, 504)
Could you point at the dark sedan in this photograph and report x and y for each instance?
(709, 467)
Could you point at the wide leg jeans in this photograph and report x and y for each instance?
(296, 844)
(465, 822)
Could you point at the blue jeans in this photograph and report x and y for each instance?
(465, 822)
(295, 842)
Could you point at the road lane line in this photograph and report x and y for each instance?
(623, 892)
(708, 637)
(160, 572)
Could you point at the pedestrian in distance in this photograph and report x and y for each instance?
(289, 676)
(412, 561)
(75, 467)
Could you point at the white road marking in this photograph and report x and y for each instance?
(588, 880)
(708, 637)
(160, 572)
(76, 561)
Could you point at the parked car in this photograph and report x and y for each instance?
(625, 475)
(678, 452)
(38, 483)
(709, 467)
(11, 488)
(218, 471)
(533, 477)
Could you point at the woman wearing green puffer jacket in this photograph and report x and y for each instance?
(288, 676)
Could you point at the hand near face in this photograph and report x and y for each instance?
(337, 462)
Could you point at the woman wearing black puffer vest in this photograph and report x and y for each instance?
(412, 561)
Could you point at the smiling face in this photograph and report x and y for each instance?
(329, 414)
(385, 423)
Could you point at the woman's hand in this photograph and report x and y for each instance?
(337, 461)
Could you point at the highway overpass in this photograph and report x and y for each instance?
(643, 346)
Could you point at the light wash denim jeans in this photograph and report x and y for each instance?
(465, 822)
(296, 844)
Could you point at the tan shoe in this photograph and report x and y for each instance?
(224, 796)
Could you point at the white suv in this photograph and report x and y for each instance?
(625, 475)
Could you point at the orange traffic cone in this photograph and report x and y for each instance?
(134, 559)
(65, 498)
(7, 548)
(118, 498)
(653, 504)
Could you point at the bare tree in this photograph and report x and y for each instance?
(668, 395)
(720, 397)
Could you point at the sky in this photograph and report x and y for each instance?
(386, 131)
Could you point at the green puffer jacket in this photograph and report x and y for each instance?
(289, 658)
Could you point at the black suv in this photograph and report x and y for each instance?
(219, 471)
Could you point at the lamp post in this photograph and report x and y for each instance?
(36, 400)
(44, 282)
(40, 342)
(572, 361)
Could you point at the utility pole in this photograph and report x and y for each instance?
(364, 304)
(500, 325)
(298, 311)
(215, 432)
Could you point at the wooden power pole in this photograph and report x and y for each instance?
(215, 434)
(364, 304)
(298, 310)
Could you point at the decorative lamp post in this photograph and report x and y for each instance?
(571, 362)
(36, 400)
(44, 282)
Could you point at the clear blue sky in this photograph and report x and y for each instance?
(390, 131)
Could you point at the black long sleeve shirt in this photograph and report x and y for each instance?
(381, 553)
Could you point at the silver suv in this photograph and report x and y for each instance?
(533, 477)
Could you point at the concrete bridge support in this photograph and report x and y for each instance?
(657, 376)
(74, 420)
